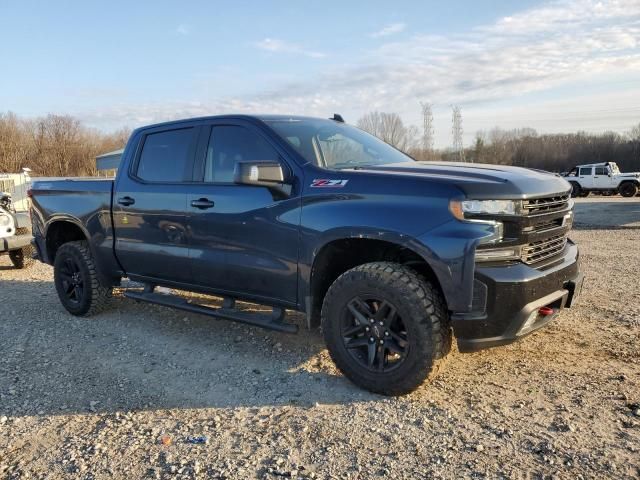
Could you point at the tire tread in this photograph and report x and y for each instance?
(428, 308)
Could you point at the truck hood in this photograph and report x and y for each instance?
(480, 180)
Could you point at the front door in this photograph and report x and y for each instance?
(243, 239)
(150, 206)
(586, 177)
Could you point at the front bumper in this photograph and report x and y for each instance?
(507, 301)
(16, 242)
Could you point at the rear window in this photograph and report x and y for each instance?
(165, 156)
(601, 171)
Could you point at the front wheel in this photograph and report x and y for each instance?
(386, 327)
(576, 190)
(77, 281)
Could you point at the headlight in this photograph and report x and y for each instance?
(5, 220)
(464, 209)
(489, 207)
(497, 254)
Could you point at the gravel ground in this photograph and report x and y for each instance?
(128, 393)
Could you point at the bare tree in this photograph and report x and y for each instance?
(53, 146)
(389, 128)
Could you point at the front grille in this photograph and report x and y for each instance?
(545, 205)
(535, 252)
(545, 226)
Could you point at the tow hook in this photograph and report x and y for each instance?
(546, 311)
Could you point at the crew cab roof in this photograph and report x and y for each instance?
(263, 117)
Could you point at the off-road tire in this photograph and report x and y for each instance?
(424, 314)
(95, 296)
(628, 189)
(22, 258)
(576, 189)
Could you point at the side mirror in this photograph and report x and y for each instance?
(262, 174)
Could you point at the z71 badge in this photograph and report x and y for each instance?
(327, 183)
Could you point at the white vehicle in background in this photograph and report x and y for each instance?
(15, 233)
(604, 178)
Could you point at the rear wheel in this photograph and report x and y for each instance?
(628, 189)
(76, 280)
(386, 328)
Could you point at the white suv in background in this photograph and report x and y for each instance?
(603, 177)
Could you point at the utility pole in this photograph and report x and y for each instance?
(427, 126)
(456, 131)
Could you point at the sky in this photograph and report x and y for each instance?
(556, 66)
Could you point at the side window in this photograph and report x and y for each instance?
(229, 145)
(585, 171)
(601, 171)
(165, 156)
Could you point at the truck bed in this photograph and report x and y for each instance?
(86, 202)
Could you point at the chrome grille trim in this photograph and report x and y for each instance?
(547, 204)
(541, 250)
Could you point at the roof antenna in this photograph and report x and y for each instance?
(338, 118)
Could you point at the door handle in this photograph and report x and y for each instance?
(202, 203)
(126, 201)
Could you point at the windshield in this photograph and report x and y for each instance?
(334, 145)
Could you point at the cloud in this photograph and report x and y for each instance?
(557, 45)
(388, 30)
(274, 45)
(183, 29)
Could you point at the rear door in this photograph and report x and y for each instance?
(243, 239)
(150, 205)
(601, 178)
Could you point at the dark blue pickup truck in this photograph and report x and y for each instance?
(393, 257)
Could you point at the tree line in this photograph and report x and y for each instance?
(522, 147)
(53, 146)
(60, 145)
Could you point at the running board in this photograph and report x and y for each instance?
(273, 321)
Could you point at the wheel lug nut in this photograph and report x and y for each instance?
(381, 323)
(381, 342)
(366, 329)
(371, 320)
(371, 339)
(386, 334)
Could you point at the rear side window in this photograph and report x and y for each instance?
(601, 171)
(229, 145)
(165, 156)
(585, 171)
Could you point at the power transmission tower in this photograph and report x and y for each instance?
(456, 131)
(427, 125)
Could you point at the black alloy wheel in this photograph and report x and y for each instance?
(73, 285)
(374, 334)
